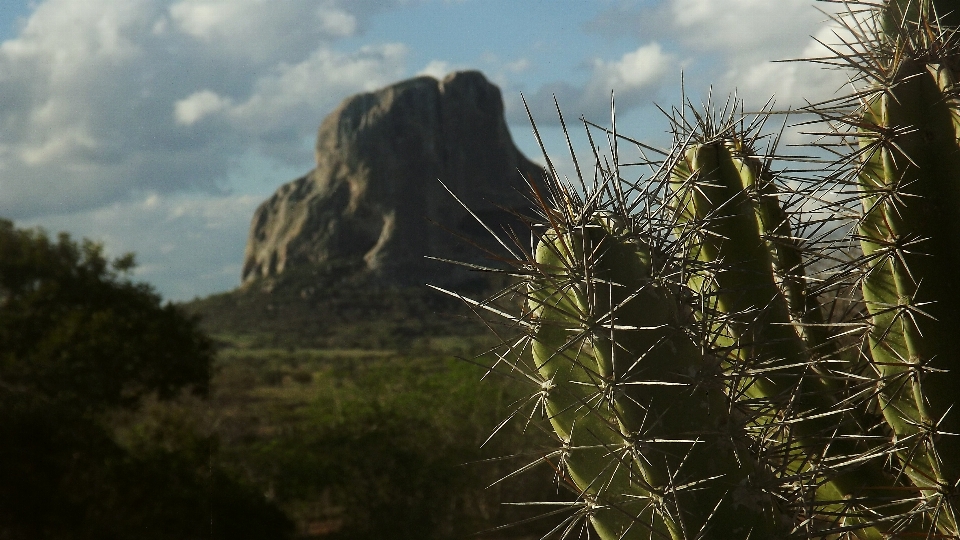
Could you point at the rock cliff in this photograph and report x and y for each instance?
(373, 202)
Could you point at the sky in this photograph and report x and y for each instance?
(158, 126)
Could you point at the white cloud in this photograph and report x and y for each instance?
(103, 100)
(750, 35)
(793, 84)
(518, 66)
(265, 31)
(754, 27)
(630, 76)
(96, 28)
(338, 23)
(635, 79)
(436, 69)
(66, 142)
(280, 100)
(197, 105)
(733, 43)
(208, 20)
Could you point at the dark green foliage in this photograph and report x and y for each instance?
(75, 330)
(64, 477)
(342, 400)
(325, 309)
(80, 342)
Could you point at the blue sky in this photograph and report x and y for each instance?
(157, 126)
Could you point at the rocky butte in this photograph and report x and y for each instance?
(374, 205)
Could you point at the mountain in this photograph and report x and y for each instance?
(374, 206)
(338, 257)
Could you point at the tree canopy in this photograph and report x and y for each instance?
(79, 339)
(74, 328)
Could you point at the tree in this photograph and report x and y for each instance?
(73, 328)
(79, 339)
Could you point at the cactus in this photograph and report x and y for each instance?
(909, 176)
(748, 267)
(648, 302)
(648, 435)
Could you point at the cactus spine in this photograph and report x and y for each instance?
(748, 266)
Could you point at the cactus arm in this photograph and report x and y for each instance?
(623, 500)
(748, 273)
(631, 397)
(785, 251)
(629, 360)
(910, 234)
(737, 265)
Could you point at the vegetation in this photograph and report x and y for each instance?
(123, 420)
(727, 350)
(332, 308)
(78, 343)
(365, 425)
(370, 443)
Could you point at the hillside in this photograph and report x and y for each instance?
(300, 312)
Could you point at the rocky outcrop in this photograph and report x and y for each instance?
(374, 201)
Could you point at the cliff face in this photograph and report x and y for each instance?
(369, 203)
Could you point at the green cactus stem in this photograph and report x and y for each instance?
(749, 269)
(910, 235)
(734, 263)
(903, 18)
(648, 435)
(684, 362)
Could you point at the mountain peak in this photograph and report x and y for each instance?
(381, 156)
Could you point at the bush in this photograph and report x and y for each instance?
(79, 340)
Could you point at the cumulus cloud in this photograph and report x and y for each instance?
(734, 43)
(635, 79)
(263, 32)
(751, 36)
(518, 66)
(338, 23)
(755, 27)
(101, 101)
(280, 99)
(197, 105)
(791, 83)
(436, 69)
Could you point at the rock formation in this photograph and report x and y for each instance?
(373, 202)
